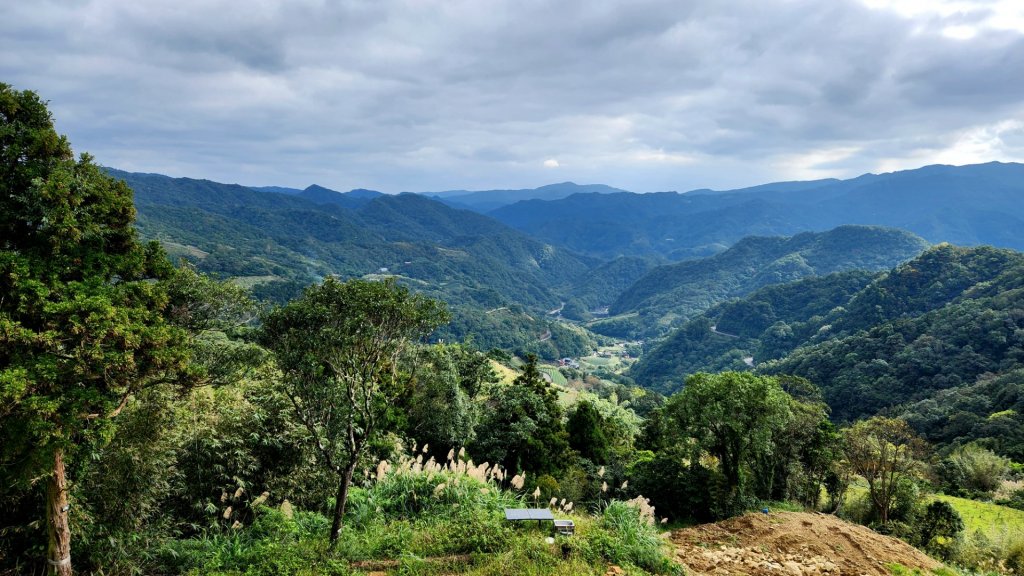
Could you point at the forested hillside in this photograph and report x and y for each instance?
(278, 243)
(734, 335)
(939, 340)
(668, 295)
(967, 205)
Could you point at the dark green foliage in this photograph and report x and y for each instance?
(676, 292)
(908, 357)
(440, 408)
(767, 324)
(989, 412)
(82, 303)
(732, 416)
(586, 433)
(939, 529)
(522, 427)
(677, 489)
(603, 284)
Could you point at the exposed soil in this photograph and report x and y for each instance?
(792, 544)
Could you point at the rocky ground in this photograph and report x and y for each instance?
(792, 544)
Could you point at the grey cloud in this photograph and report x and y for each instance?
(427, 95)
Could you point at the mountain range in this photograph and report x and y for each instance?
(568, 251)
(966, 205)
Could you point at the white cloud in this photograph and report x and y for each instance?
(551, 163)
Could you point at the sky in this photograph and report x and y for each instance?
(418, 95)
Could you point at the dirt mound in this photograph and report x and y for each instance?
(792, 544)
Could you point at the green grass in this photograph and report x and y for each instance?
(999, 524)
(555, 374)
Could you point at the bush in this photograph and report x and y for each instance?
(939, 530)
(626, 535)
(1014, 561)
(973, 472)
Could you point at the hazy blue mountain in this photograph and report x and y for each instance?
(486, 200)
(276, 189)
(968, 205)
(668, 295)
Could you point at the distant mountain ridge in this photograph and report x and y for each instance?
(484, 201)
(965, 205)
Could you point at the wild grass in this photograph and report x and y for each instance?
(423, 517)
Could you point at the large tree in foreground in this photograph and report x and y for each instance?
(82, 325)
(734, 416)
(338, 347)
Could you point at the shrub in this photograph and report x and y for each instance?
(972, 471)
(939, 530)
(1014, 561)
(626, 534)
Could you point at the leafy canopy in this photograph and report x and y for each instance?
(81, 319)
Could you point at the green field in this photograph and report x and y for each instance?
(555, 374)
(999, 524)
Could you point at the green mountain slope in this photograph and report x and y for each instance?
(920, 344)
(668, 295)
(734, 335)
(938, 340)
(282, 242)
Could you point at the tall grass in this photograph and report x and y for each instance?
(422, 517)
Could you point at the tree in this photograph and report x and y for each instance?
(586, 433)
(522, 427)
(973, 471)
(82, 327)
(885, 452)
(440, 407)
(939, 529)
(733, 416)
(338, 347)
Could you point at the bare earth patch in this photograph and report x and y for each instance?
(792, 544)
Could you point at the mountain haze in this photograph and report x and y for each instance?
(966, 205)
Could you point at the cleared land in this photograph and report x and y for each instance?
(792, 544)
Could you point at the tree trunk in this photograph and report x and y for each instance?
(59, 553)
(339, 503)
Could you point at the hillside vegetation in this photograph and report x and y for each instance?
(668, 295)
(939, 340)
(290, 240)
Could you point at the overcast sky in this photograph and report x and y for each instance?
(423, 95)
